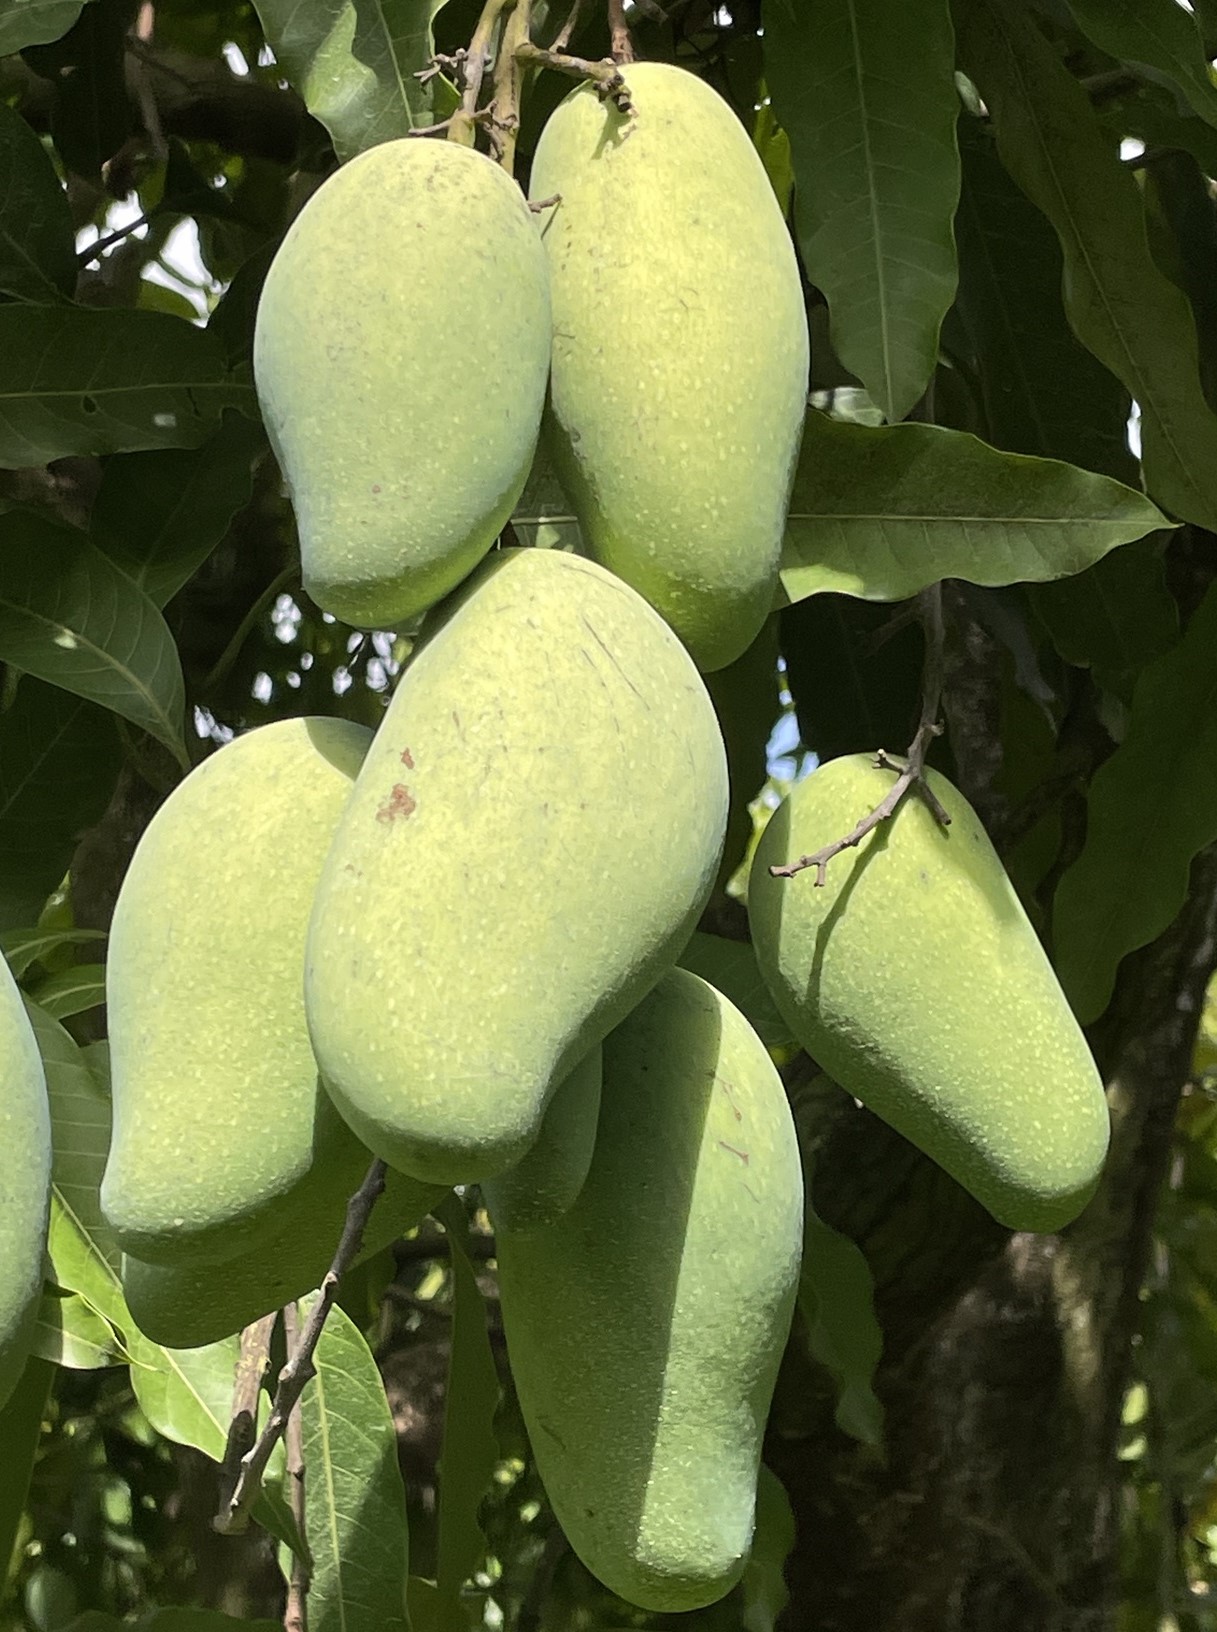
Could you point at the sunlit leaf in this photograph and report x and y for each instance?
(22, 947)
(865, 91)
(72, 991)
(69, 1332)
(69, 616)
(880, 512)
(1151, 807)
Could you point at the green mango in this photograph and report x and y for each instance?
(532, 838)
(680, 356)
(193, 1304)
(544, 1183)
(646, 1326)
(401, 354)
(915, 979)
(25, 1181)
(219, 1118)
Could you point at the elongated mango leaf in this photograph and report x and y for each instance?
(34, 22)
(865, 91)
(159, 515)
(1120, 305)
(1150, 809)
(1114, 618)
(1158, 36)
(37, 244)
(81, 380)
(21, 1420)
(763, 1585)
(22, 947)
(836, 1302)
(68, 615)
(72, 991)
(880, 512)
(186, 1394)
(69, 1332)
(1010, 302)
(59, 760)
(354, 1503)
(354, 62)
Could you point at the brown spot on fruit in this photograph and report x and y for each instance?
(407, 759)
(401, 802)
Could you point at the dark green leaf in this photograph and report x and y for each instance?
(91, 116)
(159, 515)
(20, 1429)
(37, 245)
(355, 1503)
(1156, 35)
(880, 512)
(75, 380)
(1113, 618)
(1183, 237)
(69, 1332)
(169, 1620)
(354, 62)
(1151, 808)
(22, 947)
(232, 321)
(1043, 392)
(72, 991)
(59, 759)
(731, 967)
(866, 93)
(1121, 306)
(68, 615)
(1153, 116)
(34, 22)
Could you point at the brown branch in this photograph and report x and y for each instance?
(295, 1614)
(912, 773)
(563, 37)
(508, 84)
(605, 75)
(621, 46)
(463, 124)
(252, 1361)
(233, 1516)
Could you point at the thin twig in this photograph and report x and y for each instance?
(233, 1516)
(912, 773)
(295, 1615)
(562, 39)
(463, 124)
(95, 251)
(605, 75)
(252, 1361)
(508, 80)
(621, 46)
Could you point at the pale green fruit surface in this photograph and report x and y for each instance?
(401, 354)
(646, 1326)
(543, 1185)
(193, 1304)
(219, 1117)
(915, 979)
(532, 837)
(680, 355)
(25, 1180)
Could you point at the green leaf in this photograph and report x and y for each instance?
(68, 615)
(731, 967)
(59, 759)
(543, 516)
(1156, 35)
(865, 90)
(72, 991)
(37, 245)
(836, 1301)
(1114, 618)
(763, 1585)
(69, 1332)
(186, 1394)
(1010, 301)
(354, 62)
(23, 947)
(169, 1620)
(1151, 807)
(34, 22)
(82, 380)
(355, 1503)
(91, 114)
(880, 512)
(1120, 305)
(1183, 238)
(21, 1420)
(159, 515)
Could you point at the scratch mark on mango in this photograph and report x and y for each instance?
(736, 1151)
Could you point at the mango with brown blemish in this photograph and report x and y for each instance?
(530, 841)
(645, 1327)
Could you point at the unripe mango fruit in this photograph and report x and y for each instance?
(915, 979)
(25, 1180)
(531, 839)
(404, 464)
(193, 1304)
(544, 1183)
(219, 1118)
(645, 1327)
(680, 355)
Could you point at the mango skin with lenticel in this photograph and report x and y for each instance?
(914, 977)
(219, 1118)
(645, 1327)
(401, 355)
(531, 839)
(25, 1181)
(680, 354)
